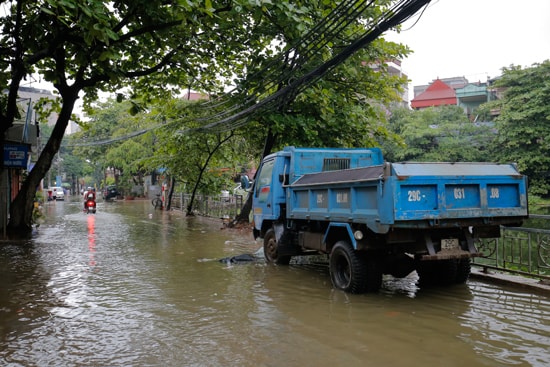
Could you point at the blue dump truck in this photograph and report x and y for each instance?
(373, 217)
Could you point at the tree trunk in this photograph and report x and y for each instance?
(170, 193)
(21, 208)
(203, 168)
(243, 216)
(189, 210)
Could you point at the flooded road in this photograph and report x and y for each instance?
(129, 286)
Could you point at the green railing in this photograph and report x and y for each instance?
(524, 251)
(210, 206)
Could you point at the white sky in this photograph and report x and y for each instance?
(474, 38)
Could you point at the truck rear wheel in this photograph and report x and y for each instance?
(444, 272)
(463, 270)
(271, 250)
(437, 272)
(352, 273)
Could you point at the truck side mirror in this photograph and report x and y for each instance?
(245, 182)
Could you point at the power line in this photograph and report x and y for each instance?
(291, 72)
(395, 15)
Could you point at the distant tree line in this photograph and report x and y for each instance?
(206, 163)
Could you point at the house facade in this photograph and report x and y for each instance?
(436, 94)
(457, 91)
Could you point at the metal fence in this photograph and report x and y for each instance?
(224, 207)
(524, 251)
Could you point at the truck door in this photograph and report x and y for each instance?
(263, 195)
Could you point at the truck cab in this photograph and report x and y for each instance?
(269, 196)
(280, 169)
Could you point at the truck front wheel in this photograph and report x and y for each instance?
(271, 250)
(352, 273)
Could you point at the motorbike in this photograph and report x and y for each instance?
(90, 206)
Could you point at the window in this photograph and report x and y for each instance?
(264, 179)
(334, 164)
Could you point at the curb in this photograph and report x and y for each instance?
(520, 281)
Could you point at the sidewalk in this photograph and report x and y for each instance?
(518, 280)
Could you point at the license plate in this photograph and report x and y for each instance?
(449, 244)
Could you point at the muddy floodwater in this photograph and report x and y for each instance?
(130, 286)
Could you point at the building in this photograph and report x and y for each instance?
(471, 96)
(436, 94)
(394, 68)
(21, 144)
(457, 91)
(454, 82)
(33, 95)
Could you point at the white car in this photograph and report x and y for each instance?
(58, 193)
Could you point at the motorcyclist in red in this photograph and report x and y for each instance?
(89, 194)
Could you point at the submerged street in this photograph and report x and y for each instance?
(131, 286)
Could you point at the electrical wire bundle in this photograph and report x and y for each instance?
(288, 74)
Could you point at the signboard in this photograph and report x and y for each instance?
(16, 155)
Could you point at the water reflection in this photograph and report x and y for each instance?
(512, 328)
(130, 286)
(91, 239)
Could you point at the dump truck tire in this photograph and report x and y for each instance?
(353, 273)
(464, 267)
(271, 251)
(444, 272)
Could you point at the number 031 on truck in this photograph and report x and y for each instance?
(373, 217)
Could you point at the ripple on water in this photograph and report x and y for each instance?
(509, 326)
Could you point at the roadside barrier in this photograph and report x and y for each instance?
(225, 207)
(523, 251)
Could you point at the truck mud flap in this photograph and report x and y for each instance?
(284, 242)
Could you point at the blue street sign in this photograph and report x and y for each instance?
(16, 155)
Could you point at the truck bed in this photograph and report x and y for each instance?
(405, 195)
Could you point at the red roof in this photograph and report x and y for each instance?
(437, 94)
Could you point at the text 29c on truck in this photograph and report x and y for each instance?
(374, 217)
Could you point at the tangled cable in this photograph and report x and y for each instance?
(288, 74)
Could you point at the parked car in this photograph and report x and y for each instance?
(57, 193)
(110, 192)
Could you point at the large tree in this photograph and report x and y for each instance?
(156, 47)
(347, 108)
(195, 160)
(438, 134)
(523, 122)
(104, 141)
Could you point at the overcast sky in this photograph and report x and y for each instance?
(474, 38)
